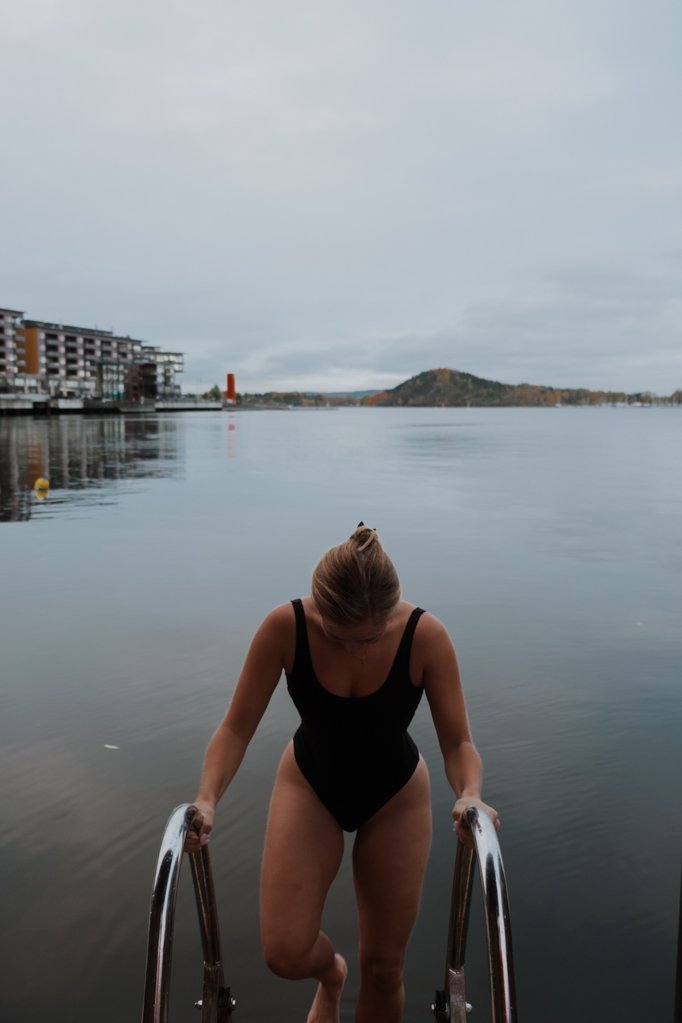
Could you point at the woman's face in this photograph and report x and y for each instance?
(354, 638)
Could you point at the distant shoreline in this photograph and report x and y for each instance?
(45, 409)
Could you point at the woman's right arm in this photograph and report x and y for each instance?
(270, 649)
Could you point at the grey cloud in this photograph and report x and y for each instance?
(341, 189)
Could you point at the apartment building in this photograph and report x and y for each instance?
(11, 348)
(78, 362)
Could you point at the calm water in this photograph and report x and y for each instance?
(548, 541)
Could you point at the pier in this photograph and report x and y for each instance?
(43, 404)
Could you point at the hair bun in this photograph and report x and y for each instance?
(365, 536)
(356, 581)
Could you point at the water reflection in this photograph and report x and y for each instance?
(438, 445)
(231, 438)
(553, 556)
(46, 463)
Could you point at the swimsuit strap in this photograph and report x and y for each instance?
(302, 661)
(402, 657)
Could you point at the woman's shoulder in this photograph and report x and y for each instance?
(427, 620)
(280, 617)
(278, 624)
(277, 632)
(430, 630)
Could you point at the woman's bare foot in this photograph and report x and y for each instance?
(327, 1000)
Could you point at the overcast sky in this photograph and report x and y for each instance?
(336, 195)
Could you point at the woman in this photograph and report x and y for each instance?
(357, 659)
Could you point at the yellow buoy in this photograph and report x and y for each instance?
(41, 488)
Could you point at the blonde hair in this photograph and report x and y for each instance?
(356, 581)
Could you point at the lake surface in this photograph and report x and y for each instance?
(547, 540)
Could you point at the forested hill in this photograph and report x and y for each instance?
(450, 387)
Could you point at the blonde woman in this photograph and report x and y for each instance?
(357, 660)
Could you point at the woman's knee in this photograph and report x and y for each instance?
(383, 972)
(286, 956)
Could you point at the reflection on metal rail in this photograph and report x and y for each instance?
(450, 1005)
(216, 1003)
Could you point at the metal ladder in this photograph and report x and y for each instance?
(217, 1003)
(450, 1004)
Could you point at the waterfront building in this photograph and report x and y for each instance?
(81, 362)
(11, 348)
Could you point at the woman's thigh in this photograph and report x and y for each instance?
(302, 855)
(389, 860)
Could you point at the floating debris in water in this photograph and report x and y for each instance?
(109, 746)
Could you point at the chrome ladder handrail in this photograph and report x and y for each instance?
(450, 1005)
(217, 1002)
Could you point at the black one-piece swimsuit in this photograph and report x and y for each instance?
(354, 751)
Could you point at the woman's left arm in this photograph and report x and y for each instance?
(463, 767)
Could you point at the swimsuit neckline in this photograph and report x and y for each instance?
(364, 696)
